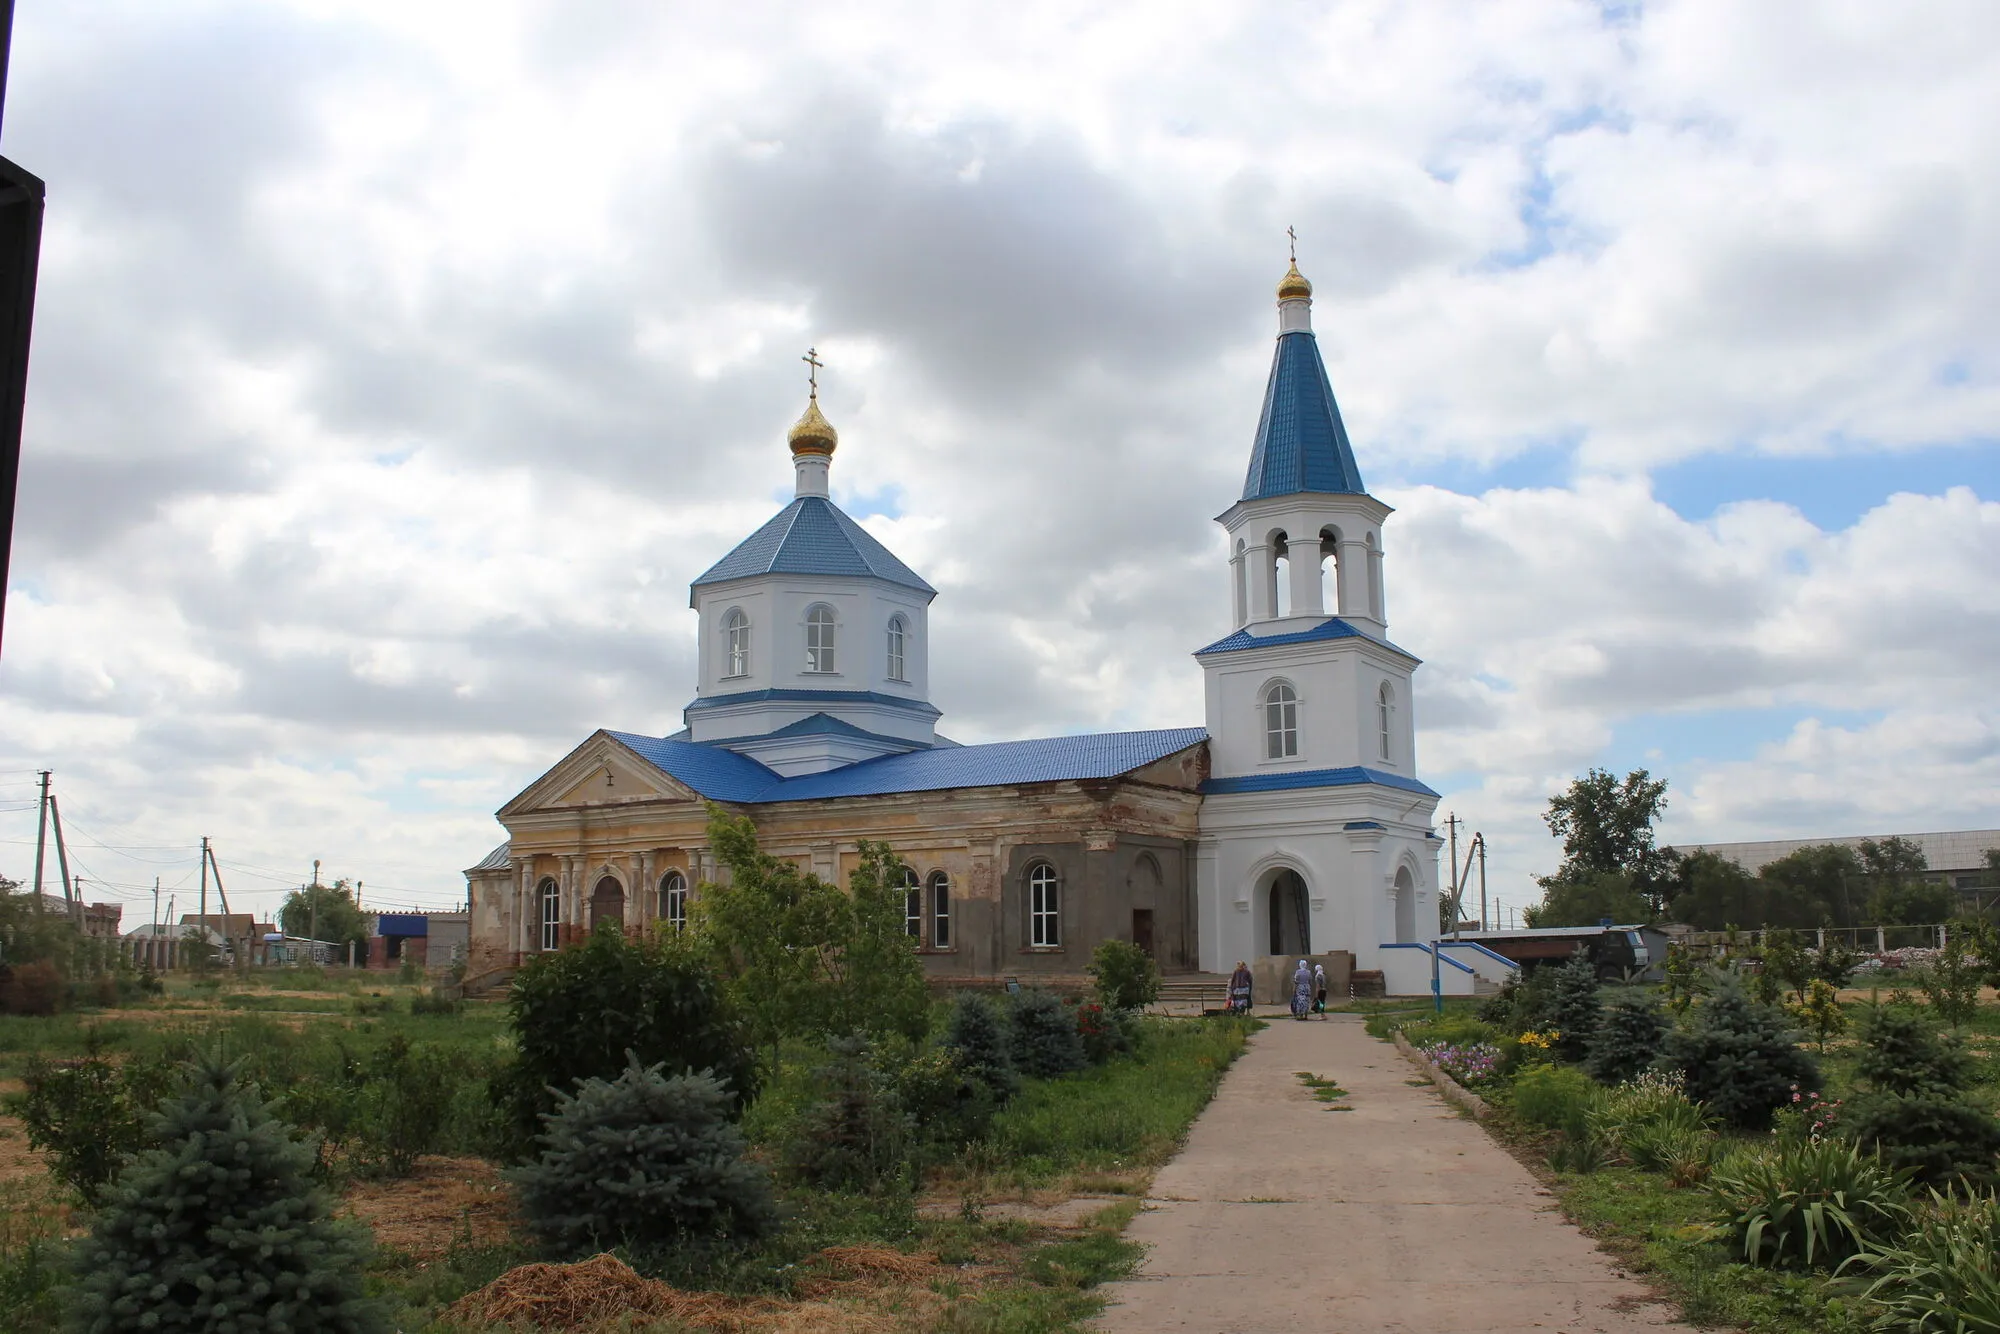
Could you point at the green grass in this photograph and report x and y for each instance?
(1130, 1113)
(1055, 1291)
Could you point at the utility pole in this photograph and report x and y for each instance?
(154, 941)
(243, 958)
(41, 840)
(1451, 824)
(204, 891)
(1480, 840)
(74, 905)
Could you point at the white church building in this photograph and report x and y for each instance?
(1293, 823)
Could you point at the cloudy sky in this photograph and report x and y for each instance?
(397, 365)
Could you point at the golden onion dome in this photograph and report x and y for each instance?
(1294, 284)
(812, 433)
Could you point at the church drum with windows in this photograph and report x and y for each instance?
(1293, 823)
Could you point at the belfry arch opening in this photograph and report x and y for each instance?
(1281, 575)
(1329, 571)
(1287, 915)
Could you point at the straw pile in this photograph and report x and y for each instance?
(577, 1296)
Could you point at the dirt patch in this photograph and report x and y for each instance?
(1059, 1212)
(18, 1162)
(445, 1201)
(860, 1290)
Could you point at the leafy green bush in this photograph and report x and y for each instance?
(1651, 1122)
(1740, 1058)
(1522, 1003)
(83, 1114)
(31, 988)
(857, 1136)
(1807, 1205)
(1123, 975)
(434, 1001)
(405, 1103)
(1556, 1097)
(645, 1161)
(946, 1106)
(584, 1012)
(1574, 1004)
(1629, 1036)
(1044, 1038)
(220, 1227)
(977, 1034)
(1912, 1107)
(1943, 1274)
(1106, 1033)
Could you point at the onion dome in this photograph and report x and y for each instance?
(1294, 284)
(812, 433)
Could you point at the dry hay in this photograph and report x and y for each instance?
(879, 1262)
(590, 1292)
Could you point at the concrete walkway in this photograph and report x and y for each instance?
(1283, 1215)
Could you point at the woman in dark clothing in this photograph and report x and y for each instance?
(1239, 989)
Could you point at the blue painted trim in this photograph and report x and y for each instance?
(1365, 824)
(821, 724)
(1409, 945)
(1330, 629)
(787, 696)
(1352, 776)
(1475, 945)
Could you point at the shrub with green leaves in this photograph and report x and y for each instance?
(1630, 1034)
(1943, 1274)
(977, 1034)
(1556, 1097)
(857, 1136)
(579, 1011)
(1123, 975)
(1044, 1038)
(1741, 1059)
(1650, 1121)
(946, 1106)
(405, 1103)
(1913, 1108)
(221, 1227)
(83, 1113)
(647, 1161)
(1808, 1205)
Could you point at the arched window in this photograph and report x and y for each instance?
(1044, 907)
(736, 629)
(1329, 571)
(940, 910)
(674, 899)
(1385, 708)
(551, 915)
(1281, 722)
(1281, 576)
(898, 633)
(913, 905)
(819, 639)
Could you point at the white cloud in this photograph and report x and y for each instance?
(397, 366)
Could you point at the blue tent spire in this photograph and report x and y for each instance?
(1301, 441)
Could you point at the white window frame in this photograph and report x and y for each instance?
(550, 894)
(913, 905)
(736, 637)
(822, 637)
(1385, 710)
(940, 906)
(1280, 705)
(1044, 907)
(899, 635)
(674, 900)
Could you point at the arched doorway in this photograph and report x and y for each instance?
(1289, 915)
(607, 902)
(1406, 906)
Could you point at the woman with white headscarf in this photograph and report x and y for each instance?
(1302, 990)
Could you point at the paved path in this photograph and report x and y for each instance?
(1282, 1215)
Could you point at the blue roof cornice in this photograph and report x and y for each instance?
(1331, 628)
(1301, 442)
(917, 706)
(1353, 776)
(812, 536)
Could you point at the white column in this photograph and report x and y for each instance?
(1239, 609)
(1303, 563)
(1353, 580)
(1263, 589)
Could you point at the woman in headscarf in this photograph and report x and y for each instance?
(1239, 989)
(1319, 990)
(1302, 990)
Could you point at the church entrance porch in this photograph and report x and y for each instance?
(607, 902)
(1287, 914)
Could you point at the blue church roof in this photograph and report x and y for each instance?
(1352, 776)
(1330, 628)
(812, 536)
(1301, 443)
(723, 775)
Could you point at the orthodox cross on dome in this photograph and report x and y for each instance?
(1293, 233)
(811, 358)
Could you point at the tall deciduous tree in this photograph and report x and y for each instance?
(802, 958)
(1606, 827)
(1898, 893)
(324, 912)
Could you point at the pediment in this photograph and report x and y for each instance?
(602, 772)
